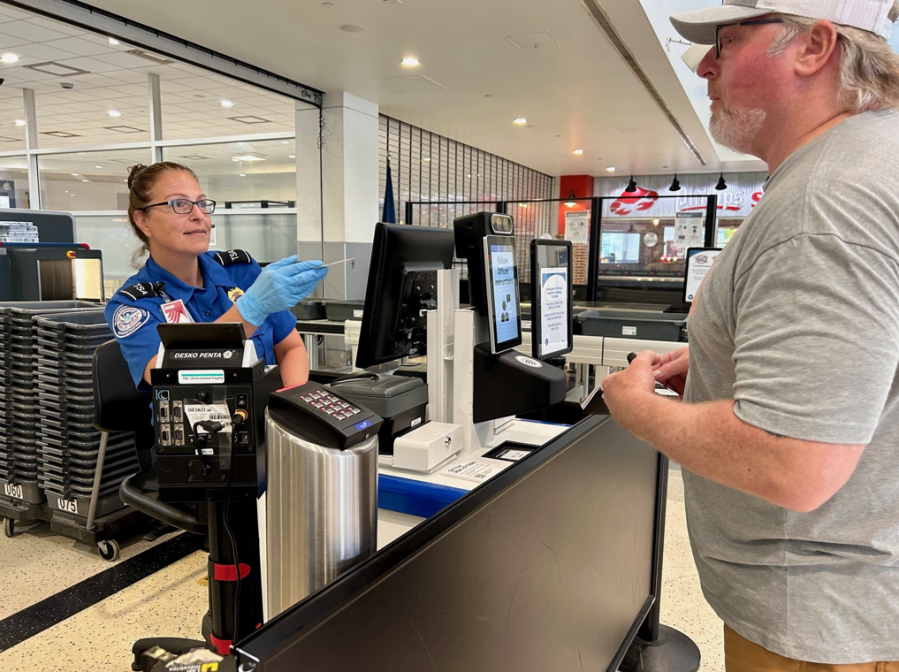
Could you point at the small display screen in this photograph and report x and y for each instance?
(554, 299)
(699, 261)
(505, 314)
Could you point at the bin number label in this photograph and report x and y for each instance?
(13, 490)
(69, 505)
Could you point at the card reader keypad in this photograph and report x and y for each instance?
(330, 404)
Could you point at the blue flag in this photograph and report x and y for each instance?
(389, 214)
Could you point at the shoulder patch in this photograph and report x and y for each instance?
(233, 257)
(128, 319)
(143, 290)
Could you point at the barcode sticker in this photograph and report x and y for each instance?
(208, 412)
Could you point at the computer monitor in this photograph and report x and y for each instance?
(503, 303)
(402, 283)
(552, 322)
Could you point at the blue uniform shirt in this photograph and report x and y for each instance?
(133, 321)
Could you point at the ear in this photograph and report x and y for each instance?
(140, 218)
(816, 49)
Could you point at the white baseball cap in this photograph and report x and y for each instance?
(871, 15)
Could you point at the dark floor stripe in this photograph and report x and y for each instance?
(56, 608)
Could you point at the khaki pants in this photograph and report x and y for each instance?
(741, 655)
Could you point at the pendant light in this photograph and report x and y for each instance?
(570, 203)
(631, 186)
(675, 184)
(722, 185)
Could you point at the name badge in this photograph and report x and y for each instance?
(175, 313)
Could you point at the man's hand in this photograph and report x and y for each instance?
(635, 385)
(671, 370)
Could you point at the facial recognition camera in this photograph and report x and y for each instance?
(486, 240)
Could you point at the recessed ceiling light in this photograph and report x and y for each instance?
(60, 134)
(20, 122)
(113, 41)
(521, 121)
(610, 169)
(243, 174)
(75, 174)
(250, 119)
(285, 142)
(427, 158)
(247, 157)
(56, 69)
(9, 58)
(226, 103)
(98, 166)
(468, 176)
(125, 129)
(291, 156)
(578, 151)
(83, 180)
(115, 113)
(411, 61)
(350, 28)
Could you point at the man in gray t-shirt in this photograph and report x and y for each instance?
(789, 427)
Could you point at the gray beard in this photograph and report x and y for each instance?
(736, 129)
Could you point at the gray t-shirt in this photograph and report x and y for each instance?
(798, 322)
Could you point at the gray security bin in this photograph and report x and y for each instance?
(645, 325)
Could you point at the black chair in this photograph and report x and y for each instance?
(119, 407)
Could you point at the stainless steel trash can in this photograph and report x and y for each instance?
(321, 513)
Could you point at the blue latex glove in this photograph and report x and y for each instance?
(280, 286)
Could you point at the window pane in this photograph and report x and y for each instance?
(12, 109)
(114, 237)
(267, 238)
(243, 174)
(14, 182)
(88, 180)
(192, 106)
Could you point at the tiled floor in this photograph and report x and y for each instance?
(172, 602)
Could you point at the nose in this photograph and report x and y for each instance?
(195, 213)
(708, 66)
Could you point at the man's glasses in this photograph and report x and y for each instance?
(183, 206)
(753, 22)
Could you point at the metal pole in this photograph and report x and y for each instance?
(155, 115)
(95, 489)
(594, 248)
(35, 202)
(711, 221)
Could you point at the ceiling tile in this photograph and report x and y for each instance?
(80, 46)
(29, 31)
(58, 26)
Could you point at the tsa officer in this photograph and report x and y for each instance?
(183, 282)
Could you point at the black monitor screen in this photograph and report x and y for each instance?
(502, 292)
(402, 283)
(551, 321)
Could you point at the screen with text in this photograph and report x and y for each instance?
(505, 299)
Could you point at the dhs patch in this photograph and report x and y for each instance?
(128, 319)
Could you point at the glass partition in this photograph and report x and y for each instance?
(267, 237)
(14, 182)
(88, 180)
(243, 174)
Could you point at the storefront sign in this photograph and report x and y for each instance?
(744, 191)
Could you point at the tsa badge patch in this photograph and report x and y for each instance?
(235, 293)
(128, 319)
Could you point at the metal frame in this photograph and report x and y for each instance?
(112, 25)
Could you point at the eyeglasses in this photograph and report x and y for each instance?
(753, 22)
(184, 206)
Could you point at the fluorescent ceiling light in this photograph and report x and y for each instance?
(98, 166)
(291, 156)
(427, 158)
(610, 169)
(578, 151)
(20, 122)
(115, 113)
(521, 121)
(84, 180)
(75, 175)
(285, 142)
(411, 61)
(243, 174)
(9, 58)
(226, 103)
(112, 40)
(247, 157)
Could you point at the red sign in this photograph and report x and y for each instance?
(638, 200)
(175, 312)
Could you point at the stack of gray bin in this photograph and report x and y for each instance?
(19, 412)
(69, 445)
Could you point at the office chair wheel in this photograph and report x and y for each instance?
(108, 549)
(9, 528)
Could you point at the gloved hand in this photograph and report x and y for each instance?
(280, 286)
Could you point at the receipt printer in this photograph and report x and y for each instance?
(399, 400)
